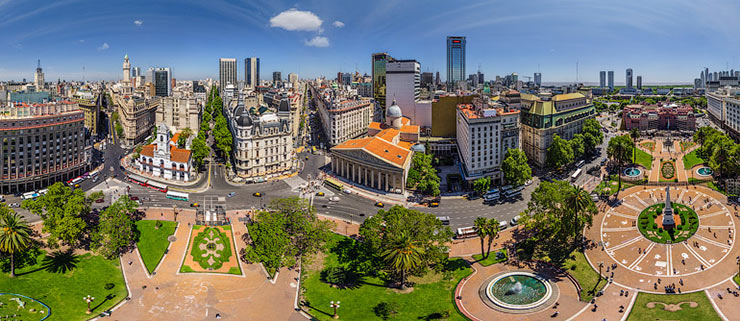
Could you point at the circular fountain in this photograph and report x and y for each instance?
(632, 172)
(704, 171)
(518, 291)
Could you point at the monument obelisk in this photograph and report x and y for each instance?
(668, 221)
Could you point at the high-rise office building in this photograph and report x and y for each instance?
(346, 79)
(226, 72)
(437, 81)
(538, 79)
(293, 78)
(38, 77)
(455, 60)
(163, 82)
(277, 77)
(481, 78)
(639, 82)
(251, 72)
(404, 87)
(602, 79)
(610, 79)
(379, 61)
(628, 78)
(426, 79)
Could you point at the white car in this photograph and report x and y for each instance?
(334, 199)
(347, 191)
(515, 220)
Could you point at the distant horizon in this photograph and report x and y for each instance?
(653, 37)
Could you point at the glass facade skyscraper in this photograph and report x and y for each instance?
(378, 67)
(251, 72)
(455, 60)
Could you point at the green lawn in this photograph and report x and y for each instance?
(153, 242)
(432, 296)
(643, 158)
(491, 259)
(578, 267)
(690, 160)
(650, 229)
(611, 189)
(61, 280)
(704, 311)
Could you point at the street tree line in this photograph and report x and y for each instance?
(719, 151)
(563, 152)
(516, 171)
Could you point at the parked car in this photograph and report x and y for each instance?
(231, 194)
(100, 200)
(514, 221)
(134, 198)
(334, 199)
(379, 204)
(347, 191)
(503, 225)
(14, 205)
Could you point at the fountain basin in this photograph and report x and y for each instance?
(632, 172)
(704, 171)
(518, 290)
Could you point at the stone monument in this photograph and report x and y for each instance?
(668, 221)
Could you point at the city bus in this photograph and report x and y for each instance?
(465, 232)
(514, 192)
(30, 195)
(576, 174)
(334, 184)
(137, 179)
(178, 196)
(157, 185)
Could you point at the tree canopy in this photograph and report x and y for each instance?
(422, 175)
(560, 153)
(482, 185)
(64, 213)
(515, 167)
(116, 231)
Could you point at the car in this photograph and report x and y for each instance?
(379, 204)
(347, 191)
(503, 225)
(100, 200)
(194, 205)
(320, 194)
(18, 194)
(433, 204)
(306, 158)
(527, 183)
(334, 199)
(231, 194)
(133, 198)
(14, 205)
(257, 194)
(514, 221)
(472, 197)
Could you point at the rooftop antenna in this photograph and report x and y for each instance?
(576, 71)
(538, 67)
(38, 65)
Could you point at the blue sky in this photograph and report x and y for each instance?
(662, 40)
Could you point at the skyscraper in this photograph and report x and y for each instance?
(610, 77)
(639, 82)
(38, 77)
(602, 79)
(163, 81)
(481, 78)
(277, 77)
(404, 87)
(538, 79)
(379, 60)
(455, 60)
(426, 79)
(251, 72)
(437, 81)
(226, 72)
(628, 78)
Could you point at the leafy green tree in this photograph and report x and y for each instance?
(480, 225)
(723, 159)
(116, 231)
(482, 185)
(619, 150)
(634, 134)
(403, 254)
(15, 234)
(64, 213)
(515, 167)
(422, 174)
(581, 209)
(200, 150)
(385, 228)
(560, 153)
(119, 129)
(493, 229)
(222, 136)
(289, 230)
(183, 138)
(578, 145)
(592, 135)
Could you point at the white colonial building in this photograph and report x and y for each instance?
(164, 159)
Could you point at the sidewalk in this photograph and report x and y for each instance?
(129, 169)
(371, 194)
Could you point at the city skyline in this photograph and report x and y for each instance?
(322, 39)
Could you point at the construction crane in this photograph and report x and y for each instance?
(529, 78)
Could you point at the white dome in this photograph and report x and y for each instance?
(394, 111)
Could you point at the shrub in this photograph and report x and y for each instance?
(655, 225)
(158, 224)
(660, 230)
(109, 286)
(573, 267)
(385, 309)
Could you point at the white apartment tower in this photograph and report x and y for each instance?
(403, 85)
(227, 72)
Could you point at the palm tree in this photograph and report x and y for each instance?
(493, 229)
(402, 255)
(480, 225)
(15, 236)
(618, 150)
(635, 134)
(577, 201)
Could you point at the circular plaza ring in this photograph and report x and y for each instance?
(518, 292)
(704, 171)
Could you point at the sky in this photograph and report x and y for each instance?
(664, 41)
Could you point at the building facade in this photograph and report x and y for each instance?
(455, 60)
(542, 118)
(344, 119)
(485, 131)
(403, 86)
(137, 116)
(38, 78)
(611, 79)
(382, 160)
(251, 72)
(602, 79)
(668, 117)
(277, 77)
(164, 159)
(227, 72)
(178, 113)
(162, 82)
(628, 78)
(379, 62)
(263, 144)
(41, 144)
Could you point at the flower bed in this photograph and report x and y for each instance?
(668, 169)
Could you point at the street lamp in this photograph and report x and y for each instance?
(88, 299)
(601, 265)
(335, 305)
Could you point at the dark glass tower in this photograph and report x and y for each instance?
(455, 60)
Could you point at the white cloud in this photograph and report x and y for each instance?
(82, 40)
(105, 46)
(338, 24)
(317, 41)
(138, 23)
(296, 20)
